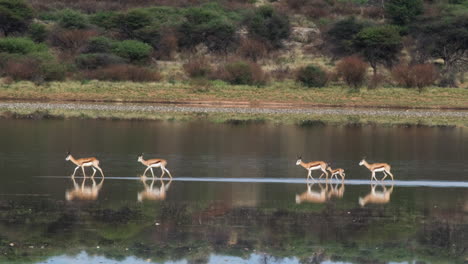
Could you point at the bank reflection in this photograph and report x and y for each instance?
(84, 191)
(377, 196)
(154, 192)
(323, 193)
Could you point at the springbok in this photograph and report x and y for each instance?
(154, 163)
(314, 165)
(377, 167)
(376, 197)
(84, 162)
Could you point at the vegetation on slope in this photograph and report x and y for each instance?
(238, 41)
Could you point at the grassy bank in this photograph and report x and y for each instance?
(279, 92)
(239, 118)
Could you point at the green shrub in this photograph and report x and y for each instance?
(165, 15)
(20, 45)
(37, 32)
(150, 35)
(105, 19)
(267, 24)
(403, 12)
(379, 45)
(97, 60)
(100, 45)
(53, 71)
(242, 72)
(312, 76)
(206, 26)
(72, 19)
(341, 35)
(133, 50)
(15, 16)
(133, 20)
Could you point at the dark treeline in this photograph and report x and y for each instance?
(409, 43)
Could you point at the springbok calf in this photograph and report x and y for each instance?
(336, 172)
(377, 167)
(314, 165)
(154, 163)
(313, 196)
(376, 197)
(84, 192)
(84, 162)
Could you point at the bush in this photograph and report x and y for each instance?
(242, 72)
(124, 72)
(268, 25)
(53, 71)
(403, 12)
(71, 41)
(252, 49)
(207, 26)
(198, 67)
(100, 45)
(20, 45)
(105, 19)
(133, 20)
(353, 70)
(312, 76)
(379, 44)
(71, 19)
(22, 69)
(35, 67)
(376, 80)
(97, 60)
(418, 75)
(167, 46)
(281, 73)
(15, 16)
(37, 32)
(133, 50)
(341, 35)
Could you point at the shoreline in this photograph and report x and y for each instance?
(233, 104)
(285, 94)
(313, 116)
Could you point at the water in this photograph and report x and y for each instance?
(237, 195)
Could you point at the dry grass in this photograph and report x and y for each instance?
(238, 118)
(283, 92)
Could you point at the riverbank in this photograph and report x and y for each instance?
(235, 115)
(279, 94)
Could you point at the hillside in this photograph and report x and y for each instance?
(313, 43)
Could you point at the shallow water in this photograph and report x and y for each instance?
(237, 196)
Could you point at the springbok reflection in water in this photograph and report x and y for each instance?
(84, 192)
(323, 194)
(152, 192)
(312, 196)
(376, 196)
(336, 190)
